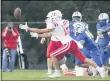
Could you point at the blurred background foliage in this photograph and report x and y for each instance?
(36, 11)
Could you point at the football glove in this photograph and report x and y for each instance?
(25, 27)
(34, 34)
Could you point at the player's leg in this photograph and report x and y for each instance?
(4, 62)
(49, 65)
(13, 53)
(49, 62)
(95, 54)
(53, 45)
(106, 55)
(85, 51)
(61, 51)
(78, 54)
(63, 66)
(96, 57)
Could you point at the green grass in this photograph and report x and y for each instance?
(41, 75)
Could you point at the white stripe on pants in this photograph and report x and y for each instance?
(61, 50)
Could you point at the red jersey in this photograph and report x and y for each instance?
(10, 41)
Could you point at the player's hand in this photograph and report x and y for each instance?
(82, 42)
(34, 34)
(100, 31)
(25, 27)
(7, 29)
(42, 40)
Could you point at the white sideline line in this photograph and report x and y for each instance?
(44, 22)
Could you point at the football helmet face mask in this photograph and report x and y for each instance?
(76, 17)
(78, 28)
(103, 19)
(49, 17)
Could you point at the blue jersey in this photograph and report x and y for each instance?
(89, 43)
(103, 37)
(71, 30)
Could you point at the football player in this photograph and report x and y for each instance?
(88, 44)
(77, 17)
(103, 39)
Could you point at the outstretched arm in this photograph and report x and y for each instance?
(44, 35)
(36, 30)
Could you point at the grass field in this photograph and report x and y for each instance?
(41, 75)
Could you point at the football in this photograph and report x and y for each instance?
(17, 13)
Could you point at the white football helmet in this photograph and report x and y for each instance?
(56, 15)
(104, 16)
(59, 14)
(76, 16)
(79, 27)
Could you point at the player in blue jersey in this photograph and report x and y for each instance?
(103, 39)
(77, 17)
(87, 43)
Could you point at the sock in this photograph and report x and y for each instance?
(49, 70)
(64, 68)
(57, 71)
(101, 70)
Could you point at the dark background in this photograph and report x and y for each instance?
(34, 12)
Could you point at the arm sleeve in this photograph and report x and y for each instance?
(3, 37)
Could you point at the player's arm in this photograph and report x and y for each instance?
(88, 32)
(104, 31)
(44, 35)
(36, 30)
(107, 29)
(81, 42)
(4, 33)
(109, 39)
